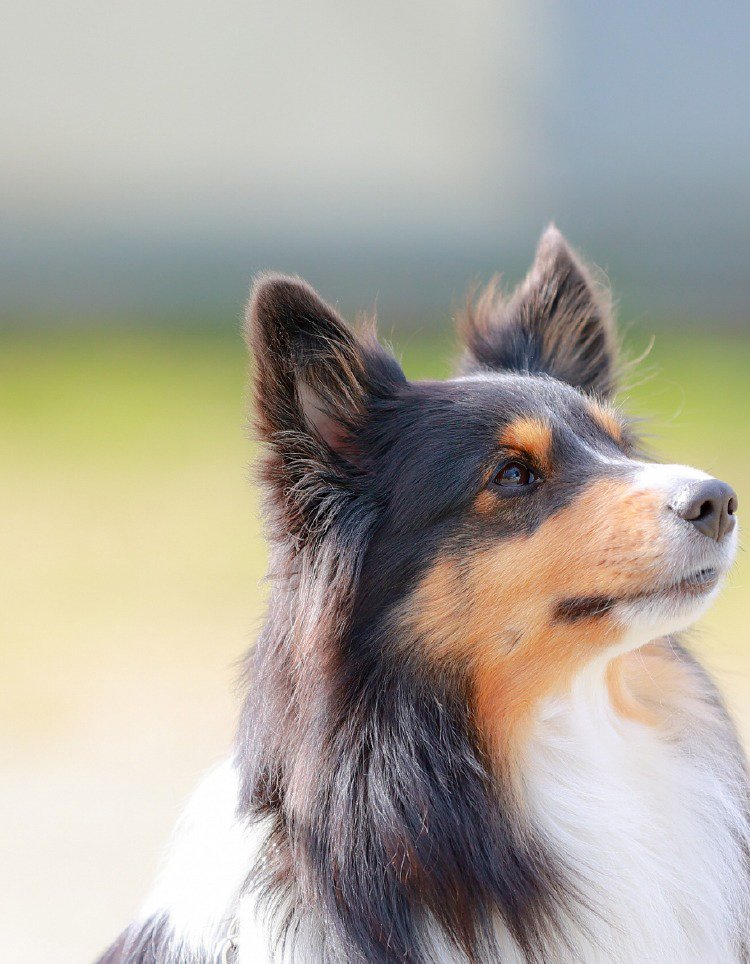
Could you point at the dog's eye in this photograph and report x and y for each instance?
(514, 474)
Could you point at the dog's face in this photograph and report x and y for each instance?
(516, 533)
(548, 541)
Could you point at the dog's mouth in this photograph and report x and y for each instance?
(696, 583)
(693, 585)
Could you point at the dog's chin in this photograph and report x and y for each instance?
(670, 607)
(673, 601)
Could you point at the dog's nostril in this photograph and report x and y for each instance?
(710, 506)
(705, 510)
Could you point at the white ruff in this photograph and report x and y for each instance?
(650, 831)
(209, 859)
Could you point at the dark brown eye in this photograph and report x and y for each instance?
(514, 474)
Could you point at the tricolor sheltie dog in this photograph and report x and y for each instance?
(471, 732)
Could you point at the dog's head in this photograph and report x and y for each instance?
(501, 525)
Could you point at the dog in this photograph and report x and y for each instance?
(471, 732)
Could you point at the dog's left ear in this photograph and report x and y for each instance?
(558, 322)
(314, 377)
(317, 386)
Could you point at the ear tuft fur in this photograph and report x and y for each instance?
(558, 322)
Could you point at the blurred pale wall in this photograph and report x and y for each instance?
(156, 152)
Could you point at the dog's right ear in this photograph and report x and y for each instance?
(315, 382)
(559, 322)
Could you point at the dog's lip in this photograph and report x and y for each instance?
(697, 582)
(692, 585)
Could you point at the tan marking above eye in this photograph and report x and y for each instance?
(531, 437)
(608, 420)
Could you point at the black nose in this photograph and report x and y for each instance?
(710, 506)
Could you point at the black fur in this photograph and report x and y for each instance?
(572, 610)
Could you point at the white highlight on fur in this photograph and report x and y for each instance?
(652, 830)
(666, 478)
(209, 859)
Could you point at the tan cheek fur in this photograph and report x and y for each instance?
(492, 614)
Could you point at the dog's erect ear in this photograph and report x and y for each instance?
(315, 381)
(558, 322)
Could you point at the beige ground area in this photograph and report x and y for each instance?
(131, 581)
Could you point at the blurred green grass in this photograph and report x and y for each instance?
(132, 581)
(125, 481)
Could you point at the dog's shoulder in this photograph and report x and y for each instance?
(192, 907)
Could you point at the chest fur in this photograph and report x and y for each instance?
(649, 829)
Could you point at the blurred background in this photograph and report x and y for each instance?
(157, 154)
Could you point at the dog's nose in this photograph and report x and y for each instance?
(709, 505)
